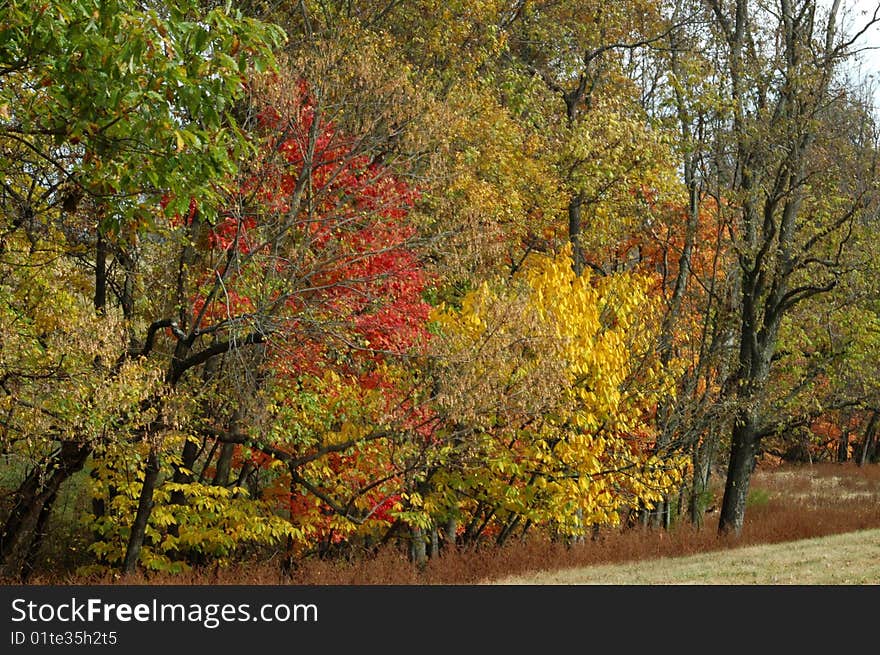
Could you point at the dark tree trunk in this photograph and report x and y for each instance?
(183, 472)
(99, 511)
(126, 298)
(224, 461)
(224, 465)
(100, 273)
(183, 475)
(508, 530)
(644, 516)
(450, 531)
(679, 508)
(574, 233)
(288, 562)
(470, 530)
(869, 446)
(145, 507)
(743, 449)
(659, 517)
(843, 447)
(23, 500)
(32, 498)
(434, 550)
(30, 558)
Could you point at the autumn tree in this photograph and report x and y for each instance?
(687, 246)
(104, 109)
(548, 387)
(795, 203)
(282, 317)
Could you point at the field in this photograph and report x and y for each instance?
(851, 558)
(803, 504)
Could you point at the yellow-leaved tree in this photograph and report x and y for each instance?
(548, 385)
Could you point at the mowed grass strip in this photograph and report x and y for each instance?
(846, 559)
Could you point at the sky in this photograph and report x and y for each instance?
(856, 13)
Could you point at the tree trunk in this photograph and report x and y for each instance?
(679, 507)
(508, 530)
(843, 447)
(417, 551)
(24, 499)
(183, 471)
(126, 298)
(224, 465)
(145, 507)
(30, 500)
(435, 543)
(100, 298)
(224, 461)
(574, 233)
(869, 446)
(644, 516)
(660, 516)
(450, 531)
(702, 460)
(743, 449)
(30, 558)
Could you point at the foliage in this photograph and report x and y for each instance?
(123, 101)
(421, 273)
(550, 384)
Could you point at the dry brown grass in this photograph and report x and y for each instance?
(787, 504)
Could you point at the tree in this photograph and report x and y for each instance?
(302, 294)
(547, 387)
(789, 235)
(104, 108)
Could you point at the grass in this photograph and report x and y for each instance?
(787, 504)
(850, 559)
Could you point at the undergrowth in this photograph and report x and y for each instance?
(788, 503)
